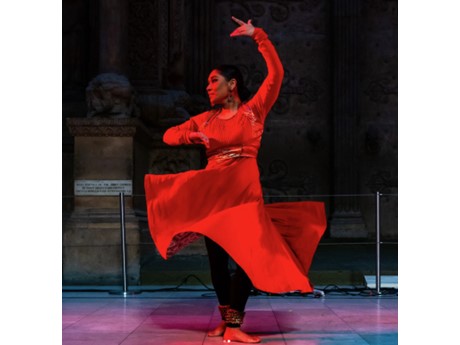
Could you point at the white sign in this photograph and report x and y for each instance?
(103, 187)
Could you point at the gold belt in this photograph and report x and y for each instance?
(231, 153)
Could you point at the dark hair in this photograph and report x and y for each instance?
(233, 72)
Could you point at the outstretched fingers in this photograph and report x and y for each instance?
(244, 29)
(238, 21)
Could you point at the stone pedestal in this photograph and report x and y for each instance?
(105, 150)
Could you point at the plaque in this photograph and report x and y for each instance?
(103, 187)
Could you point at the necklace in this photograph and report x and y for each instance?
(213, 113)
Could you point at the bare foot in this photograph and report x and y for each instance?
(237, 335)
(218, 331)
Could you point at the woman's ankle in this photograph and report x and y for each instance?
(218, 331)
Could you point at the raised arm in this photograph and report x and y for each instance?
(268, 92)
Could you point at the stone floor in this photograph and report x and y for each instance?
(181, 311)
(182, 316)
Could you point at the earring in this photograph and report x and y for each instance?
(230, 97)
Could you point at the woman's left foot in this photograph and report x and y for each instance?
(237, 335)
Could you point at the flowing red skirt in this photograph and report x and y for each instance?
(273, 243)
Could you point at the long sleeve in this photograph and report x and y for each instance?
(179, 135)
(268, 92)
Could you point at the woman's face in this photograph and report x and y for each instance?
(218, 88)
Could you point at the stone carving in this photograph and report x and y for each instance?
(382, 6)
(293, 190)
(281, 105)
(309, 5)
(278, 186)
(173, 161)
(382, 181)
(373, 140)
(279, 11)
(308, 89)
(315, 138)
(380, 90)
(111, 94)
(164, 108)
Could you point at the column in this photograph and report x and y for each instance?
(346, 217)
(113, 31)
(200, 15)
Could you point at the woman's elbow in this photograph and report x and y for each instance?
(279, 74)
(168, 137)
(281, 71)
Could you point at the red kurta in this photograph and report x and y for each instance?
(273, 243)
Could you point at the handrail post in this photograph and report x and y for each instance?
(124, 260)
(123, 242)
(377, 242)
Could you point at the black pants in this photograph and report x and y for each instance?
(230, 289)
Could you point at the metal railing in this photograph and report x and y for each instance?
(123, 245)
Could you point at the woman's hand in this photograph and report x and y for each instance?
(244, 29)
(199, 138)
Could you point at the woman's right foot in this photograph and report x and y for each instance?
(237, 335)
(218, 331)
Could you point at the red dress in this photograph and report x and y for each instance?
(273, 243)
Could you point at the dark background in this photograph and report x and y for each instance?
(331, 136)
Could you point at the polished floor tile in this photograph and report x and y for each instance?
(183, 317)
